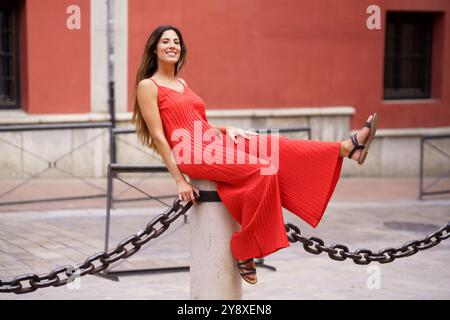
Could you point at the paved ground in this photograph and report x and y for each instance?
(371, 213)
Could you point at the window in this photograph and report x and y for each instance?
(9, 66)
(407, 60)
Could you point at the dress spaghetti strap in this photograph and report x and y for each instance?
(169, 88)
(181, 82)
(177, 79)
(154, 82)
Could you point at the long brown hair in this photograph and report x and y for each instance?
(149, 65)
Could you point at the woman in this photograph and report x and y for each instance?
(306, 176)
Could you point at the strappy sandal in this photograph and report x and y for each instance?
(372, 125)
(244, 271)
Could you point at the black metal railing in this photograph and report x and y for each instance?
(53, 163)
(425, 140)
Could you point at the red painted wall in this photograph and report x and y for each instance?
(55, 61)
(260, 54)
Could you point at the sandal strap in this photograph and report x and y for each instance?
(368, 124)
(356, 147)
(240, 263)
(355, 140)
(247, 273)
(244, 268)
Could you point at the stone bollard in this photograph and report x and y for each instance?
(213, 272)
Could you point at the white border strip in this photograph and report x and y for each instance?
(99, 57)
(121, 54)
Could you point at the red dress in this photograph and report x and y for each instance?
(303, 180)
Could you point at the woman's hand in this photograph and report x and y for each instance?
(217, 131)
(186, 191)
(233, 133)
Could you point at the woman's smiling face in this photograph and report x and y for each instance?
(169, 47)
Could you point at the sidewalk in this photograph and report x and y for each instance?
(369, 213)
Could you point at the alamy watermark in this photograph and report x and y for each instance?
(374, 20)
(74, 278)
(73, 21)
(373, 281)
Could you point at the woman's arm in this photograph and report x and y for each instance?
(147, 95)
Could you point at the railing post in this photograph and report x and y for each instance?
(213, 272)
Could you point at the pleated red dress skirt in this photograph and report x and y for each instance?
(301, 180)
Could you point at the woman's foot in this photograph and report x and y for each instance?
(247, 270)
(361, 137)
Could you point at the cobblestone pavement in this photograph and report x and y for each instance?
(369, 213)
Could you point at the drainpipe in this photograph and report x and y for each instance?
(110, 58)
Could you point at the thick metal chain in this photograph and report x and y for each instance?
(340, 252)
(99, 261)
(62, 275)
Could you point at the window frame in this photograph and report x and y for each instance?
(14, 7)
(397, 17)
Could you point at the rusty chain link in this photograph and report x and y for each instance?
(134, 242)
(127, 247)
(340, 252)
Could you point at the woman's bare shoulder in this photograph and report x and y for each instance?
(147, 85)
(147, 92)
